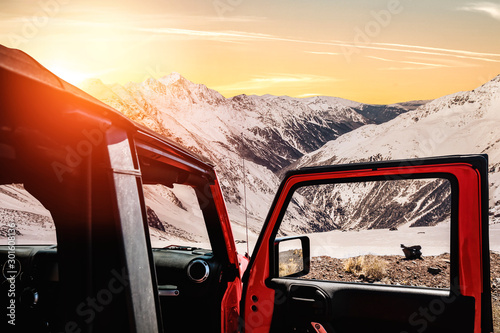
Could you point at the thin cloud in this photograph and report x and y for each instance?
(308, 95)
(404, 48)
(324, 53)
(187, 32)
(245, 37)
(425, 64)
(231, 35)
(291, 78)
(445, 61)
(411, 49)
(454, 51)
(403, 68)
(236, 19)
(489, 8)
(239, 36)
(265, 81)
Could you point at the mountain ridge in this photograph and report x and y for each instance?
(275, 133)
(269, 132)
(461, 123)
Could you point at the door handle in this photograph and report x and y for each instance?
(302, 299)
(168, 290)
(318, 327)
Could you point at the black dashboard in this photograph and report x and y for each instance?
(188, 281)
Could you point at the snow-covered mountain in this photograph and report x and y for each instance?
(386, 204)
(275, 133)
(461, 123)
(194, 115)
(257, 138)
(269, 132)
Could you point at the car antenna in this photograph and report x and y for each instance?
(244, 193)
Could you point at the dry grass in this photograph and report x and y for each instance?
(367, 267)
(288, 268)
(496, 316)
(290, 262)
(352, 265)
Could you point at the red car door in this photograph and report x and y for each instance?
(360, 213)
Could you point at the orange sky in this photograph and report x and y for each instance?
(365, 50)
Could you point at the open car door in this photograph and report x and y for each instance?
(330, 259)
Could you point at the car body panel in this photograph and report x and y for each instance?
(470, 174)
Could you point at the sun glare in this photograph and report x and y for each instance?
(68, 75)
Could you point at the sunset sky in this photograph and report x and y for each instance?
(374, 51)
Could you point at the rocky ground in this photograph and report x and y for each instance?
(495, 289)
(430, 271)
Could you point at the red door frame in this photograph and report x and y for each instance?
(258, 299)
(230, 306)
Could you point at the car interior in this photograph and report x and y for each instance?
(87, 164)
(188, 278)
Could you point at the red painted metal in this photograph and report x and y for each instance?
(259, 299)
(230, 306)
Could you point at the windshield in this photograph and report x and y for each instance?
(175, 217)
(23, 218)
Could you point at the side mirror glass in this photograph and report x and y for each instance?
(292, 256)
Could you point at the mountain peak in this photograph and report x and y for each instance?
(151, 81)
(155, 85)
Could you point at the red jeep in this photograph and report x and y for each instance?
(91, 168)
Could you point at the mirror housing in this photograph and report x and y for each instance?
(292, 256)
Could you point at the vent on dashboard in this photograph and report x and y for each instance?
(198, 270)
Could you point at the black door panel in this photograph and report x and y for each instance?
(308, 301)
(356, 307)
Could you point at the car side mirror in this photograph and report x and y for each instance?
(292, 256)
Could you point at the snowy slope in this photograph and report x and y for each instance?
(461, 123)
(269, 132)
(382, 204)
(34, 224)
